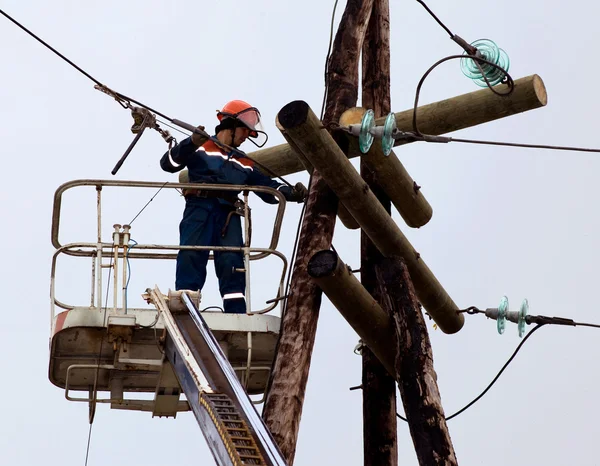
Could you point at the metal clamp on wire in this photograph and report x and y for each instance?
(142, 119)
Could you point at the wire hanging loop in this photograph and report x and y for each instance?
(507, 79)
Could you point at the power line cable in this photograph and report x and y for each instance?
(462, 410)
(327, 59)
(301, 219)
(526, 146)
(125, 101)
(436, 18)
(543, 320)
(89, 76)
(94, 392)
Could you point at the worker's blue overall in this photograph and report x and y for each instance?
(207, 220)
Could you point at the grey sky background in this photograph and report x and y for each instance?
(508, 221)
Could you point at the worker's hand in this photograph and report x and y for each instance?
(299, 193)
(199, 139)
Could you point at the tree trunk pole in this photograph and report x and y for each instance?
(380, 437)
(416, 377)
(285, 394)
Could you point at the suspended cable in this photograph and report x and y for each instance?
(48, 46)
(436, 18)
(543, 321)
(92, 413)
(147, 203)
(327, 60)
(526, 146)
(462, 410)
(125, 101)
(87, 450)
(301, 219)
(509, 82)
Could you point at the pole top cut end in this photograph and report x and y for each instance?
(322, 264)
(540, 90)
(352, 116)
(293, 114)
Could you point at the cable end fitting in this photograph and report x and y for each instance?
(464, 44)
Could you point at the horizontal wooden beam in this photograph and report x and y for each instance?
(357, 306)
(474, 108)
(437, 118)
(305, 129)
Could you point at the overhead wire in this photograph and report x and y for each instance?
(301, 219)
(439, 21)
(548, 321)
(95, 389)
(494, 380)
(148, 203)
(478, 60)
(417, 135)
(327, 59)
(124, 98)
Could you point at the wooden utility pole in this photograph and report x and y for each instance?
(325, 155)
(380, 438)
(416, 377)
(285, 394)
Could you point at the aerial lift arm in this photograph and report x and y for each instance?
(234, 431)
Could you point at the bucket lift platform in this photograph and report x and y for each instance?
(128, 347)
(109, 347)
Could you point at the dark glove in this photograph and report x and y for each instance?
(199, 139)
(299, 193)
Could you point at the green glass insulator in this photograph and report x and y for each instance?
(387, 140)
(365, 139)
(502, 310)
(492, 53)
(523, 311)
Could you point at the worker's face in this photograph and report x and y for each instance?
(241, 134)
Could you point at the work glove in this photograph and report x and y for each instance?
(299, 193)
(199, 139)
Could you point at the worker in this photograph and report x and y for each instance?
(207, 218)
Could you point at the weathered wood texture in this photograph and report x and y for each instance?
(325, 155)
(345, 217)
(474, 108)
(416, 377)
(380, 426)
(391, 175)
(285, 395)
(437, 118)
(372, 324)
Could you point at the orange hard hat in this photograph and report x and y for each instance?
(245, 113)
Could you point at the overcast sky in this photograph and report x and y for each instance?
(519, 222)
